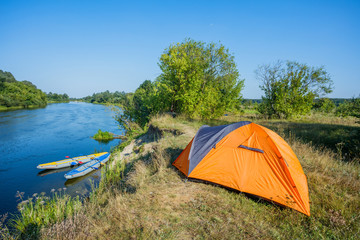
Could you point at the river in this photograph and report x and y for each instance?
(31, 137)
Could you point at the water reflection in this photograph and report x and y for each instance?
(84, 180)
(51, 171)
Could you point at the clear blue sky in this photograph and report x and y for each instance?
(82, 47)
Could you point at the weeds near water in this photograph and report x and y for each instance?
(4, 230)
(41, 210)
(116, 173)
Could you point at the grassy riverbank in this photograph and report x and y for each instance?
(142, 196)
(51, 102)
(3, 108)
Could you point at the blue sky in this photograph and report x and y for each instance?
(82, 47)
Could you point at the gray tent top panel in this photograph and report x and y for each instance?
(207, 138)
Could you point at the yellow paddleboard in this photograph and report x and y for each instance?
(70, 161)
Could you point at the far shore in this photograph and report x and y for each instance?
(5, 109)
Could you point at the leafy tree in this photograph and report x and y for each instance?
(6, 77)
(146, 102)
(290, 88)
(143, 104)
(124, 115)
(15, 93)
(199, 79)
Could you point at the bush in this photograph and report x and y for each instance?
(324, 105)
(103, 136)
(349, 108)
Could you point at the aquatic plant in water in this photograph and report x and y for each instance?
(103, 136)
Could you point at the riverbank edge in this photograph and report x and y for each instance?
(5, 109)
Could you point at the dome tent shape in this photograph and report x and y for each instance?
(250, 158)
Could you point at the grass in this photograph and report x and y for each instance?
(3, 108)
(341, 139)
(39, 211)
(144, 197)
(340, 135)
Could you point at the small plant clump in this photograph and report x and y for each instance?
(39, 211)
(103, 136)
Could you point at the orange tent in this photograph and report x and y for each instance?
(250, 158)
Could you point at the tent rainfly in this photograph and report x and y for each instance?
(250, 158)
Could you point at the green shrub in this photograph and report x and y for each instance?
(349, 108)
(324, 105)
(103, 136)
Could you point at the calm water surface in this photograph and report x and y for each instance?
(31, 137)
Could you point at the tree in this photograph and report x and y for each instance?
(125, 115)
(290, 88)
(15, 93)
(199, 79)
(145, 103)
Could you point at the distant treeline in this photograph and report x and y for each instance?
(317, 101)
(55, 97)
(107, 97)
(339, 106)
(24, 94)
(336, 101)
